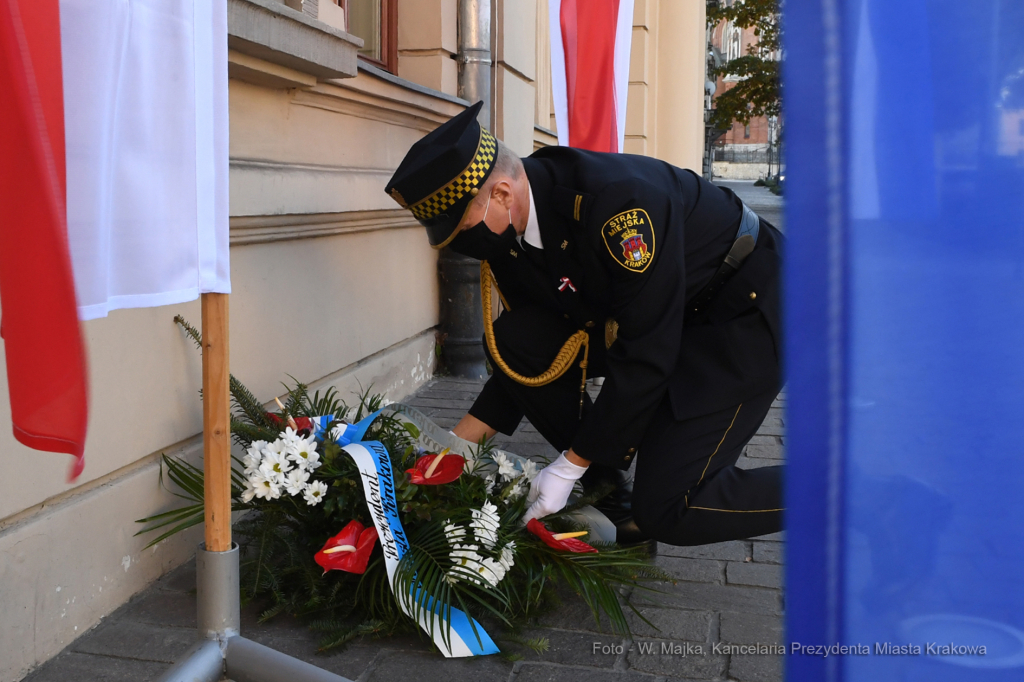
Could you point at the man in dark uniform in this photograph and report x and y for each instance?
(629, 268)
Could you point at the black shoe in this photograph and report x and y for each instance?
(617, 505)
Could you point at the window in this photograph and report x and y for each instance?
(376, 22)
(746, 132)
(735, 44)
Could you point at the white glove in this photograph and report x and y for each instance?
(549, 490)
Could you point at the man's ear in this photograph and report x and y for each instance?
(501, 193)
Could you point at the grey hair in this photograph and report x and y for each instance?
(507, 162)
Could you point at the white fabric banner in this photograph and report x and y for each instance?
(146, 122)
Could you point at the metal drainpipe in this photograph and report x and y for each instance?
(461, 315)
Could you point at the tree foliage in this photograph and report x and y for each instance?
(757, 92)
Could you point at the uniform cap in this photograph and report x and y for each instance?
(442, 173)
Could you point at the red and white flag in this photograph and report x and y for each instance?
(130, 98)
(46, 372)
(590, 42)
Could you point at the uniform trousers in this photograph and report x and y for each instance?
(687, 489)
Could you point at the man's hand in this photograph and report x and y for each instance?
(550, 489)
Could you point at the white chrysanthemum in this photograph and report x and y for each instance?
(295, 482)
(506, 468)
(289, 437)
(454, 532)
(508, 553)
(254, 456)
(278, 446)
(314, 493)
(518, 489)
(492, 571)
(252, 460)
(467, 563)
(485, 524)
(303, 453)
(275, 466)
(530, 469)
(249, 492)
(266, 488)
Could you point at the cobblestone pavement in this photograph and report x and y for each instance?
(729, 593)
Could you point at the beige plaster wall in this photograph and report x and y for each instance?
(515, 72)
(679, 91)
(641, 125)
(427, 40)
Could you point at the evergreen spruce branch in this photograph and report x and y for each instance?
(297, 404)
(241, 396)
(276, 609)
(244, 433)
(248, 403)
(536, 644)
(192, 332)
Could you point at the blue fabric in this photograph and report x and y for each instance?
(904, 323)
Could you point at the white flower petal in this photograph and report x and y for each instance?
(314, 493)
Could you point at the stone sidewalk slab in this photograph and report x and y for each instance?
(722, 594)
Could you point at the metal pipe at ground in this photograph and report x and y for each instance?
(204, 662)
(218, 609)
(221, 652)
(461, 321)
(247, 661)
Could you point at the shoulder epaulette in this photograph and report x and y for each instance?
(570, 203)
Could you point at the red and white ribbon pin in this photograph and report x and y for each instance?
(566, 283)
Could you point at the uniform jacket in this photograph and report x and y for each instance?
(637, 238)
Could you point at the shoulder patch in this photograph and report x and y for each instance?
(629, 237)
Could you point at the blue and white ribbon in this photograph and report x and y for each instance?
(374, 464)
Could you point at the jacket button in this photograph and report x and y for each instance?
(753, 295)
(589, 324)
(626, 458)
(567, 316)
(631, 450)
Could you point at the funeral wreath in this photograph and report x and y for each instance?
(361, 524)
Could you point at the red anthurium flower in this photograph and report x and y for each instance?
(563, 541)
(298, 424)
(436, 469)
(349, 550)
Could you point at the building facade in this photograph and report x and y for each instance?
(744, 151)
(332, 282)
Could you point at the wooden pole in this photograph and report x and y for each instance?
(216, 423)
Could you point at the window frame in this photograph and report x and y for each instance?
(388, 36)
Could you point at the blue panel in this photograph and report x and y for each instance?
(905, 321)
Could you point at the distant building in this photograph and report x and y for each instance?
(744, 151)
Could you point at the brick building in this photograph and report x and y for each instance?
(744, 151)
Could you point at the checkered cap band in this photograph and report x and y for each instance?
(474, 176)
